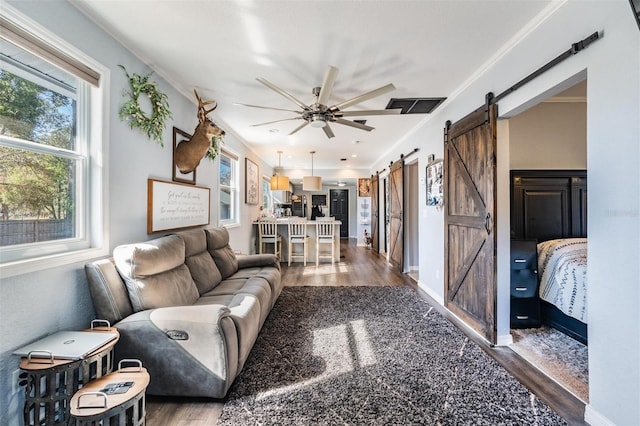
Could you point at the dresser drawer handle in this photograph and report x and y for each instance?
(520, 260)
(522, 288)
(522, 317)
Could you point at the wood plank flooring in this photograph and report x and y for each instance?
(361, 266)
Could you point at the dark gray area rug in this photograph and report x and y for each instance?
(372, 355)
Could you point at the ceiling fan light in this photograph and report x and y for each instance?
(318, 121)
(279, 183)
(312, 183)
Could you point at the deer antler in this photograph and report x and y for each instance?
(202, 113)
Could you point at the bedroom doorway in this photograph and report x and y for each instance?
(547, 180)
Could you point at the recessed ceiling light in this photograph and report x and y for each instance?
(354, 155)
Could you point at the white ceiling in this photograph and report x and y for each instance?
(425, 48)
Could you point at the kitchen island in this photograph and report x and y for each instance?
(283, 230)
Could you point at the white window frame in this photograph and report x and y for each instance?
(234, 189)
(92, 227)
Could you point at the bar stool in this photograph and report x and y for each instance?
(268, 234)
(325, 235)
(298, 235)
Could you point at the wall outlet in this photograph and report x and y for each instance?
(15, 378)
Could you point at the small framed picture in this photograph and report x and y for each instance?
(364, 187)
(435, 187)
(178, 176)
(252, 182)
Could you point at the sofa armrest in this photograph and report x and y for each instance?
(255, 260)
(203, 364)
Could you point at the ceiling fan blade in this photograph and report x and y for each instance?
(368, 112)
(299, 127)
(366, 96)
(276, 121)
(328, 131)
(327, 85)
(266, 107)
(282, 92)
(352, 124)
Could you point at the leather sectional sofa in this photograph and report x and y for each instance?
(186, 306)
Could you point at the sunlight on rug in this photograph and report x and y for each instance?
(559, 356)
(368, 356)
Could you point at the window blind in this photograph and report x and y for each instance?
(22, 38)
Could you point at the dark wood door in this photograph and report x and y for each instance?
(375, 213)
(396, 212)
(340, 209)
(470, 217)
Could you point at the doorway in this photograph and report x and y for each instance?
(411, 222)
(339, 208)
(550, 135)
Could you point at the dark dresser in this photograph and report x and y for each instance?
(525, 303)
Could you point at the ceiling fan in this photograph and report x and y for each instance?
(318, 114)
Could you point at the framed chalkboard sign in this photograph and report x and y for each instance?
(172, 205)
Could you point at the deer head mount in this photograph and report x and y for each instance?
(189, 152)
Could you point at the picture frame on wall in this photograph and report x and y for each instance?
(435, 184)
(178, 176)
(252, 182)
(364, 187)
(172, 205)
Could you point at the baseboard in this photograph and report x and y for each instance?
(439, 299)
(593, 418)
(504, 340)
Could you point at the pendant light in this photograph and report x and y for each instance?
(312, 183)
(278, 182)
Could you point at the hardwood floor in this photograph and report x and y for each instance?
(361, 266)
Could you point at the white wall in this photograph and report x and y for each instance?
(613, 112)
(35, 304)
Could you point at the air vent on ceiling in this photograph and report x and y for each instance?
(414, 105)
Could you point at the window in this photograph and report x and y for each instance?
(229, 189)
(267, 200)
(49, 116)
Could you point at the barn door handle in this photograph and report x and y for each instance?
(487, 223)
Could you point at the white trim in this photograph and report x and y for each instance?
(236, 189)
(594, 418)
(46, 262)
(439, 299)
(504, 340)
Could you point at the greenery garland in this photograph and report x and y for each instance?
(130, 111)
(214, 148)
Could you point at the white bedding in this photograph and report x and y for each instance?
(562, 265)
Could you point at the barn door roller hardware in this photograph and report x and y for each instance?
(403, 156)
(575, 48)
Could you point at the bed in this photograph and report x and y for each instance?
(549, 206)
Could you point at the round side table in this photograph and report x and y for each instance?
(100, 403)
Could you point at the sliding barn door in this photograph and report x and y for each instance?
(375, 209)
(470, 217)
(396, 211)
